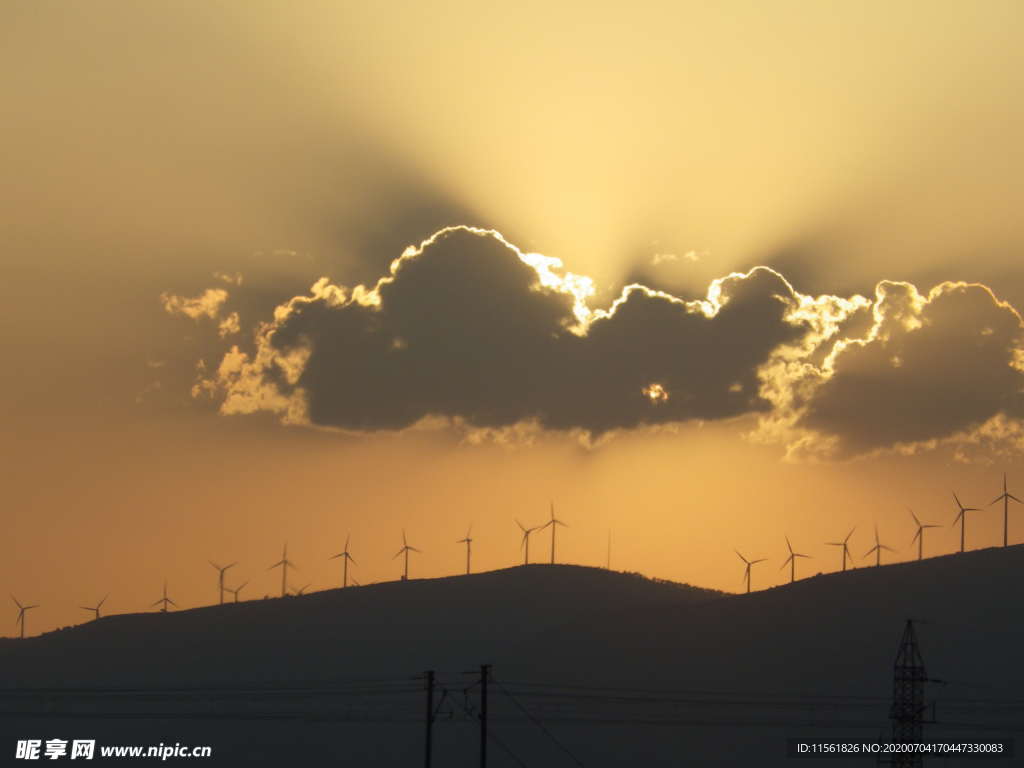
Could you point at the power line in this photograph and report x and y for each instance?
(539, 724)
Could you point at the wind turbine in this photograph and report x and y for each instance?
(877, 549)
(469, 543)
(283, 563)
(746, 572)
(791, 561)
(220, 578)
(554, 523)
(919, 536)
(345, 557)
(301, 590)
(236, 590)
(165, 600)
(405, 549)
(95, 610)
(1006, 497)
(21, 614)
(526, 540)
(845, 545)
(962, 518)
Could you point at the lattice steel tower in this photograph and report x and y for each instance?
(908, 706)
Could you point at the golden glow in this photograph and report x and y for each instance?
(592, 133)
(655, 393)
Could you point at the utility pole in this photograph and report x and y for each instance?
(430, 717)
(908, 705)
(485, 670)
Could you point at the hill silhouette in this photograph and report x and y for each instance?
(813, 658)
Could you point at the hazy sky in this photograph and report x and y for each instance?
(194, 191)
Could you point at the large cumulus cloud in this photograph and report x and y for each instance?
(931, 367)
(468, 329)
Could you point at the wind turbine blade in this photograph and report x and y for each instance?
(916, 535)
(521, 527)
(171, 601)
(347, 537)
(849, 534)
(1014, 498)
(239, 588)
(872, 550)
(957, 518)
(759, 560)
(916, 521)
(157, 602)
(333, 557)
(231, 566)
(399, 552)
(789, 546)
(103, 600)
(741, 557)
(351, 559)
(413, 549)
(785, 562)
(931, 526)
(213, 564)
(887, 548)
(275, 565)
(404, 542)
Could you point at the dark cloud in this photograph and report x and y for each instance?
(469, 329)
(705, 365)
(932, 367)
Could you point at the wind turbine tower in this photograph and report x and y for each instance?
(165, 601)
(236, 590)
(345, 556)
(877, 549)
(554, 523)
(22, 610)
(746, 571)
(1006, 497)
(406, 549)
(791, 561)
(283, 564)
(95, 609)
(526, 540)
(220, 577)
(469, 543)
(919, 536)
(845, 545)
(962, 517)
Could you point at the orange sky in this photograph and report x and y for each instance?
(670, 145)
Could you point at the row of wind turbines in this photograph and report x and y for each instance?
(1006, 497)
(553, 523)
(346, 557)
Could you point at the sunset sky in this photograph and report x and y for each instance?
(283, 274)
